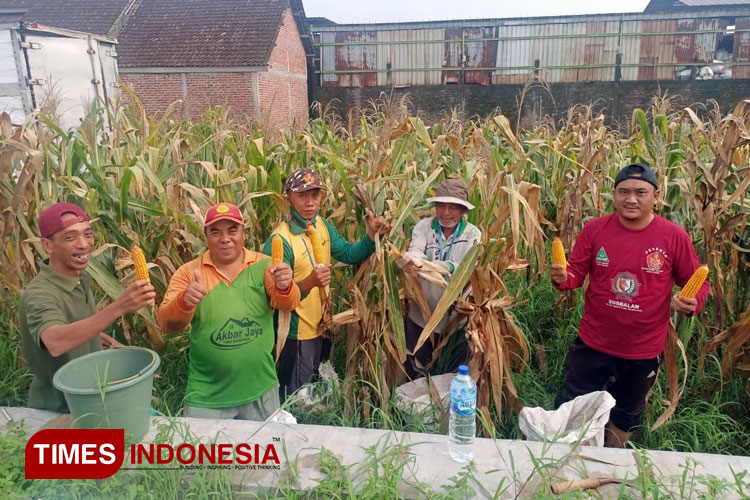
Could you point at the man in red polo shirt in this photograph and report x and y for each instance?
(633, 259)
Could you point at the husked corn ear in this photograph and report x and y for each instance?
(690, 290)
(558, 253)
(139, 262)
(277, 250)
(317, 246)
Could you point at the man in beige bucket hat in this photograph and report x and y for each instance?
(444, 239)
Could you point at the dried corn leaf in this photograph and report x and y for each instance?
(453, 290)
(670, 363)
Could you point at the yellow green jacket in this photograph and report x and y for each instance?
(298, 254)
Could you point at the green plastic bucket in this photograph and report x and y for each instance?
(110, 389)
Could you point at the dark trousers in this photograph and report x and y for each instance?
(298, 364)
(423, 355)
(588, 370)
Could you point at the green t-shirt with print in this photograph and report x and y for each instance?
(231, 343)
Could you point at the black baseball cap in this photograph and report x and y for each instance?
(637, 171)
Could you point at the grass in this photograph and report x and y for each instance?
(387, 471)
(15, 379)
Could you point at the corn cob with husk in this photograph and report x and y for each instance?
(285, 317)
(325, 293)
(690, 290)
(558, 253)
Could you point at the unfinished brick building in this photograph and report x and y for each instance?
(249, 55)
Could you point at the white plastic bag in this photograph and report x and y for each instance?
(581, 419)
(318, 397)
(414, 399)
(282, 417)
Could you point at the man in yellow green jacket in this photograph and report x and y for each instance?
(304, 347)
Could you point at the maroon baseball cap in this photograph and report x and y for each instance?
(303, 179)
(50, 220)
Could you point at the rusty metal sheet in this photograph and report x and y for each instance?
(570, 51)
(684, 45)
(328, 60)
(631, 49)
(707, 43)
(657, 49)
(593, 50)
(649, 52)
(741, 51)
(666, 51)
(479, 54)
(356, 57)
(453, 56)
(421, 54)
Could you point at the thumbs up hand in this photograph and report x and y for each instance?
(195, 291)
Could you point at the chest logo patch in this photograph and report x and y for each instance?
(625, 286)
(602, 258)
(654, 261)
(656, 258)
(236, 333)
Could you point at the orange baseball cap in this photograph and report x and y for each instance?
(223, 211)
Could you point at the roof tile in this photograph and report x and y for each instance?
(201, 33)
(77, 15)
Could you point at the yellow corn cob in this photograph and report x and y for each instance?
(277, 250)
(317, 246)
(558, 253)
(695, 282)
(139, 262)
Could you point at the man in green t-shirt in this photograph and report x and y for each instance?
(59, 321)
(227, 297)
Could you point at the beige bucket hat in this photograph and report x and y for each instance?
(452, 191)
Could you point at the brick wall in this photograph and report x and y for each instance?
(278, 95)
(283, 88)
(198, 91)
(616, 99)
(156, 91)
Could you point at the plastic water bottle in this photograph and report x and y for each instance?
(463, 416)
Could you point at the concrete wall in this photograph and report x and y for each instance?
(616, 99)
(278, 95)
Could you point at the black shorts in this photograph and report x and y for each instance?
(588, 370)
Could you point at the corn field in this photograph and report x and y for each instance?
(148, 182)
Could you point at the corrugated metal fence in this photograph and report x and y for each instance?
(609, 47)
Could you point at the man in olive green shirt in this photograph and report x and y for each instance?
(58, 316)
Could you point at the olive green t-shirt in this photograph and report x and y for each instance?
(52, 298)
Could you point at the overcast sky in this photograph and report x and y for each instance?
(372, 11)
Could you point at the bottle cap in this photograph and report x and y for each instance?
(463, 370)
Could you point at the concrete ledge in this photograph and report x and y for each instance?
(517, 468)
